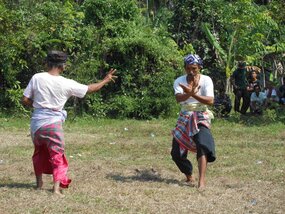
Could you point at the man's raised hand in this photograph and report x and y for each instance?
(110, 77)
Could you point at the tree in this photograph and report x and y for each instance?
(96, 35)
(234, 30)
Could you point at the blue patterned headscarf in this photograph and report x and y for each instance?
(193, 59)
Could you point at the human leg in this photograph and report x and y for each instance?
(237, 100)
(202, 166)
(37, 166)
(60, 168)
(180, 159)
(40, 160)
(245, 101)
(49, 156)
(39, 180)
(57, 157)
(205, 152)
(56, 189)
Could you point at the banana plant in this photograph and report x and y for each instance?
(225, 57)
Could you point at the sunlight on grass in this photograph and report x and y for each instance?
(125, 165)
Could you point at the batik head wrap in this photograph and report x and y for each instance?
(193, 59)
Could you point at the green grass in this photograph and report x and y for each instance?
(124, 166)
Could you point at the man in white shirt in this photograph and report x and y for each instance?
(258, 100)
(47, 92)
(194, 91)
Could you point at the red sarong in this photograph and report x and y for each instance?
(49, 157)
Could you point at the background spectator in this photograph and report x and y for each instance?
(239, 82)
(271, 94)
(258, 100)
(222, 103)
(281, 92)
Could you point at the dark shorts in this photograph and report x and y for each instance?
(205, 143)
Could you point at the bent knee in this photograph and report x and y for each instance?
(175, 155)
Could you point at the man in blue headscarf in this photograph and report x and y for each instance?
(194, 91)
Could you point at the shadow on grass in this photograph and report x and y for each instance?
(144, 176)
(18, 185)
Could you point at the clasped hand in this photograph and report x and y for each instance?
(190, 89)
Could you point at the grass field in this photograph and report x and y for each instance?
(124, 166)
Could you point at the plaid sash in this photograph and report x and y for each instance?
(187, 127)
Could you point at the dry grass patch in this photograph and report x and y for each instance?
(125, 167)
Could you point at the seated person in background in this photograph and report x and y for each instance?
(271, 94)
(222, 103)
(281, 92)
(258, 100)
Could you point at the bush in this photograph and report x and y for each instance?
(97, 35)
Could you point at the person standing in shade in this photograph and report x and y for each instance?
(239, 82)
(47, 92)
(194, 91)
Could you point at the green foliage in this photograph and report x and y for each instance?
(224, 31)
(214, 42)
(146, 51)
(96, 106)
(255, 29)
(269, 116)
(141, 56)
(13, 98)
(97, 35)
(102, 13)
(145, 75)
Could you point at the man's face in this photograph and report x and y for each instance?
(192, 70)
(257, 90)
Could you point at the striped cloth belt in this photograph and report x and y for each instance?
(197, 107)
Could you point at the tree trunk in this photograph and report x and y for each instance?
(229, 87)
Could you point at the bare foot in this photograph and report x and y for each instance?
(56, 190)
(201, 186)
(39, 182)
(39, 187)
(58, 193)
(190, 179)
